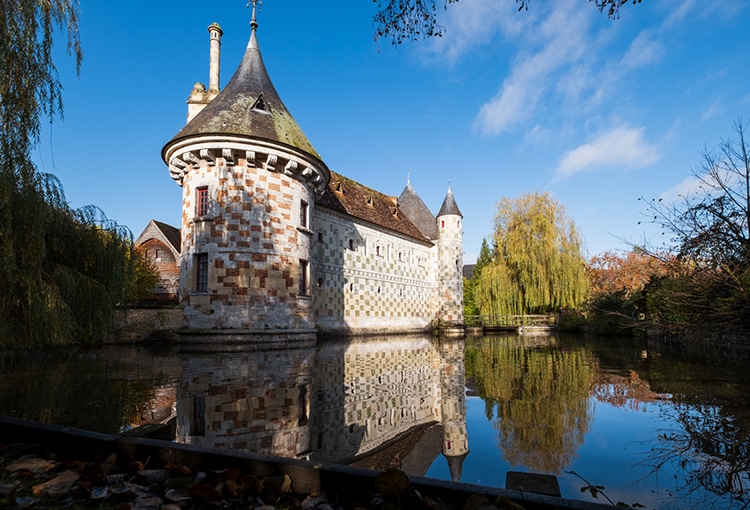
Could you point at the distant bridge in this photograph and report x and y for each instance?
(518, 323)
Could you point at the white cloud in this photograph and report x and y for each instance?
(687, 188)
(622, 147)
(643, 51)
(472, 23)
(696, 10)
(713, 110)
(562, 40)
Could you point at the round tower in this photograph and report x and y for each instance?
(249, 177)
(450, 263)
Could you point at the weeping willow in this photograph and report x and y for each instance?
(62, 271)
(537, 264)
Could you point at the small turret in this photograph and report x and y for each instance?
(450, 262)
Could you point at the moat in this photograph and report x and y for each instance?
(653, 426)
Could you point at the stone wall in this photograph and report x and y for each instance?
(140, 324)
(370, 280)
(255, 244)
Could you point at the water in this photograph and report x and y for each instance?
(642, 423)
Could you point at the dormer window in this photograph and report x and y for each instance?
(260, 104)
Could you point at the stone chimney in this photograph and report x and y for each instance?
(200, 97)
(213, 71)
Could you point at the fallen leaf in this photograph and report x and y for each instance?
(58, 486)
(35, 465)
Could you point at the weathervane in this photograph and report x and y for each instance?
(254, 21)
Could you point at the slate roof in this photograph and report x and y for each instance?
(171, 234)
(248, 106)
(449, 205)
(413, 206)
(167, 233)
(350, 197)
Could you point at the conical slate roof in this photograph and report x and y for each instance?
(413, 207)
(248, 106)
(449, 205)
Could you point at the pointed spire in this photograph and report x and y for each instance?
(249, 106)
(449, 205)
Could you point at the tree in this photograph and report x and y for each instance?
(629, 273)
(617, 300)
(537, 265)
(485, 257)
(63, 271)
(402, 20)
(710, 229)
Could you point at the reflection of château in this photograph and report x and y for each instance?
(340, 403)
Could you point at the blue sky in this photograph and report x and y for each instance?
(558, 98)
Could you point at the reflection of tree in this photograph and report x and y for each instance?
(64, 388)
(710, 454)
(536, 396)
(620, 390)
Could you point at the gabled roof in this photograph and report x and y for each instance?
(350, 197)
(413, 206)
(166, 233)
(249, 106)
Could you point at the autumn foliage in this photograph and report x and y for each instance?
(627, 273)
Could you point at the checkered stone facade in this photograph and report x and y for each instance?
(450, 268)
(257, 255)
(368, 279)
(253, 241)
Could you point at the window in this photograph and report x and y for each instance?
(304, 208)
(442, 224)
(201, 272)
(201, 201)
(351, 244)
(304, 278)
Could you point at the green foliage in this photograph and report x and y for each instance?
(537, 265)
(470, 302)
(63, 271)
(612, 313)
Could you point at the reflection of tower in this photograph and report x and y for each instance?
(453, 405)
(253, 401)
